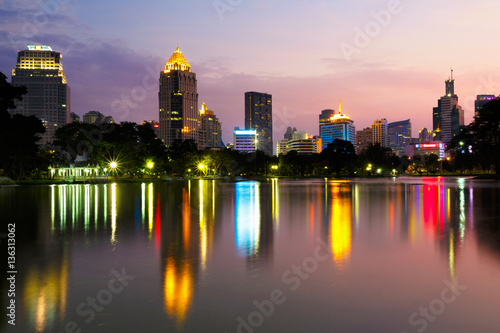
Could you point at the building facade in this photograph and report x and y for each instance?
(48, 98)
(363, 139)
(482, 100)
(211, 129)
(259, 117)
(379, 132)
(399, 134)
(425, 135)
(338, 126)
(448, 116)
(245, 140)
(281, 147)
(324, 117)
(178, 101)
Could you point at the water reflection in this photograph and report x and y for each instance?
(340, 223)
(247, 217)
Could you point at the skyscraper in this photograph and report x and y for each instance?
(379, 132)
(178, 101)
(399, 134)
(324, 117)
(363, 139)
(425, 135)
(481, 101)
(448, 116)
(338, 126)
(211, 130)
(40, 69)
(259, 117)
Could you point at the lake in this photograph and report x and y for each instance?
(315, 255)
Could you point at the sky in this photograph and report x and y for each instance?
(384, 59)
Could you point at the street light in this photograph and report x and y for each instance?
(150, 165)
(113, 165)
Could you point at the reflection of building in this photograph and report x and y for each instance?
(48, 98)
(259, 117)
(399, 134)
(178, 101)
(481, 101)
(340, 224)
(245, 140)
(338, 126)
(448, 116)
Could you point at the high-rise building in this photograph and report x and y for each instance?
(448, 116)
(399, 134)
(281, 147)
(363, 139)
(379, 132)
(289, 133)
(301, 143)
(211, 129)
(41, 71)
(425, 135)
(325, 116)
(245, 140)
(259, 117)
(97, 118)
(339, 126)
(481, 101)
(178, 101)
(74, 118)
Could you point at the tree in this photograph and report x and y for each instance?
(378, 157)
(340, 156)
(479, 142)
(18, 136)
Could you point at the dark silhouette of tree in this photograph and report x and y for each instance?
(340, 157)
(379, 157)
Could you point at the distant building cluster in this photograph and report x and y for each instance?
(40, 69)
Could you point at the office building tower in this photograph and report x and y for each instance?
(425, 135)
(289, 133)
(259, 117)
(448, 116)
(363, 139)
(481, 101)
(40, 70)
(339, 126)
(379, 132)
(245, 140)
(325, 116)
(399, 134)
(211, 129)
(178, 101)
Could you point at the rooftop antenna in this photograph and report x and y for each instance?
(340, 106)
(451, 73)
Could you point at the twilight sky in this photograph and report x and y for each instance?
(384, 59)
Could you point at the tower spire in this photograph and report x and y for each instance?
(340, 106)
(451, 73)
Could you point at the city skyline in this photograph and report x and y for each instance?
(397, 75)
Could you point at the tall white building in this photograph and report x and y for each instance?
(245, 140)
(40, 70)
(379, 132)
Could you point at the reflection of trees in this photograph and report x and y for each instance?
(486, 218)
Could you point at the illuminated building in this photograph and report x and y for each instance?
(338, 126)
(74, 118)
(301, 143)
(259, 117)
(379, 132)
(448, 116)
(324, 117)
(425, 135)
(363, 139)
(281, 147)
(245, 140)
(97, 118)
(399, 134)
(41, 71)
(481, 101)
(428, 148)
(178, 101)
(211, 130)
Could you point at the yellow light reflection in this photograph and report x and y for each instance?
(178, 288)
(451, 257)
(275, 203)
(340, 227)
(86, 213)
(143, 203)
(113, 213)
(62, 206)
(52, 208)
(44, 295)
(186, 219)
(96, 206)
(105, 206)
(203, 228)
